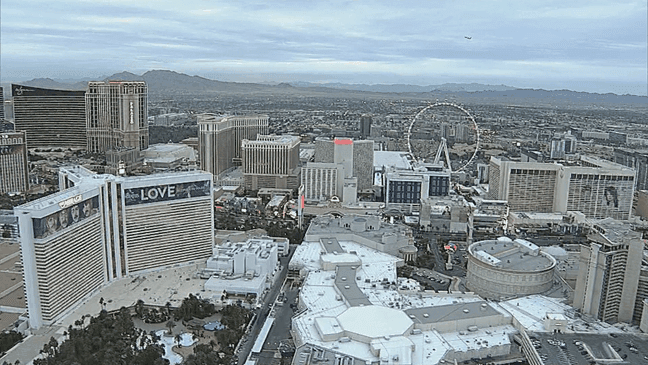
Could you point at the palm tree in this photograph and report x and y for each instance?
(168, 307)
(170, 324)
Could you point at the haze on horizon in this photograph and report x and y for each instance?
(594, 46)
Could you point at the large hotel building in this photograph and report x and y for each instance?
(342, 168)
(271, 162)
(595, 187)
(2, 113)
(360, 155)
(220, 138)
(50, 117)
(116, 114)
(406, 189)
(636, 159)
(612, 279)
(14, 174)
(101, 227)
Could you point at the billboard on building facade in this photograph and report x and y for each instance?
(166, 192)
(73, 211)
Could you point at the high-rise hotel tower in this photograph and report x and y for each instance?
(116, 115)
(220, 138)
(50, 117)
(13, 162)
(2, 113)
(612, 279)
(99, 228)
(271, 162)
(597, 188)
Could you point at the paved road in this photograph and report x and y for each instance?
(280, 329)
(283, 320)
(314, 210)
(439, 264)
(262, 314)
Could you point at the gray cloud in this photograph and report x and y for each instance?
(585, 44)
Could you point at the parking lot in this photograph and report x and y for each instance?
(584, 349)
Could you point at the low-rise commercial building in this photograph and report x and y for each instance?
(504, 268)
(406, 189)
(347, 285)
(368, 230)
(243, 268)
(169, 156)
(448, 214)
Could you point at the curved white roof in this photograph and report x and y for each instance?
(375, 321)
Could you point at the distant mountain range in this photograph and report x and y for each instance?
(171, 82)
(407, 88)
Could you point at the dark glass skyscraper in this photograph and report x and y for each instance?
(50, 117)
(365, 126)
(2, 115)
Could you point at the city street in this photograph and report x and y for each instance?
(262, 314)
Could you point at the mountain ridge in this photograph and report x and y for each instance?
(167, 81)
(407, 88)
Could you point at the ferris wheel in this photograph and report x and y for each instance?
(440, 126)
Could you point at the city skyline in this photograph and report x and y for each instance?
(585, 46)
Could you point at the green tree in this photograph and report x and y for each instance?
(9, 339)
(6, 231)
(139, 308)
(235, 317)
(108, 339)
(192, 307)
(204, 355)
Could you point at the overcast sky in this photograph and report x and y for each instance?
(589, 45)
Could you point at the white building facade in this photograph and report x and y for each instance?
(220, 137)
(595, 187)
(271, 161)
(243, 267)
(99, 228)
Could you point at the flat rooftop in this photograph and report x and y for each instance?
(451, 312)
(12, 292)
(585, 162)
(558, 217)
(617, 231)
(345, 282)
(531, 310)
(368, 227)
(375, 321)
(510, 256)
(274, 139)
(361, 302)
(166, 147)
(397, 159)
(331, 245)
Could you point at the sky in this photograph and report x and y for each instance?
(582, 45)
